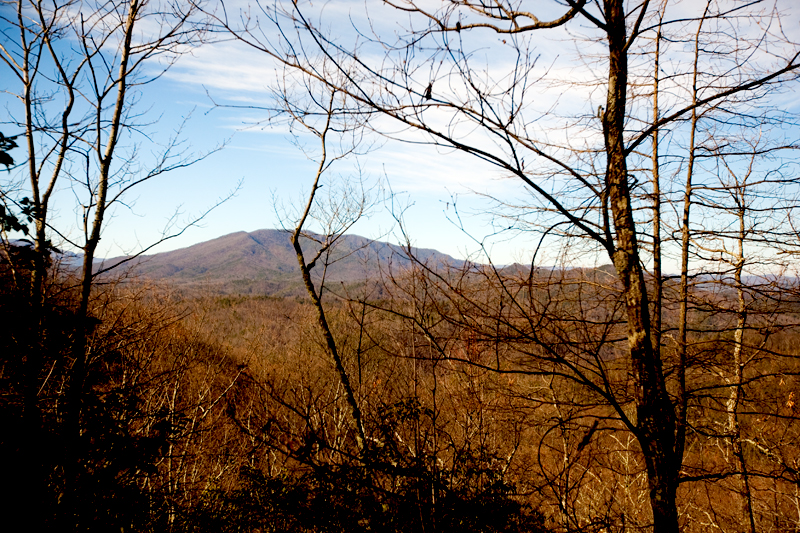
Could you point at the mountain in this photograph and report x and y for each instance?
(264, 262)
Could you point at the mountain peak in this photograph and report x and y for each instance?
(264, 262)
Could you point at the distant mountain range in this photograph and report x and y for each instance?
(264, 262)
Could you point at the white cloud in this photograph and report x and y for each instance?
(229, 71)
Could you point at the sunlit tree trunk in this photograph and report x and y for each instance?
(655, 414)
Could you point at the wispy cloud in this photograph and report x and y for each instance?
(229, 71)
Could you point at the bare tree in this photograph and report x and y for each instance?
(583, 180)
(75, 71)
(324, 115)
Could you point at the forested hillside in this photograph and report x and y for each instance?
(225, 413)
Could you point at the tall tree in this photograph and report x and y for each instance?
(74, 72)
(431, 77)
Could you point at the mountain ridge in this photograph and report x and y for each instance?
(264, 262)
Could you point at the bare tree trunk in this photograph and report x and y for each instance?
(733, 402)
(33, 482)
(683, 296)
(655, 415)
(732, 405)
(26, 69)
(75, 391)
(305, 269)
(658, 284)
(330, 342)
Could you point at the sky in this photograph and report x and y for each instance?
(262, 175)
(441, 193)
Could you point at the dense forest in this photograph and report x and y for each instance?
(654, 391)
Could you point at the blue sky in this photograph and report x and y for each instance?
(260, 165)
(267, 167)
